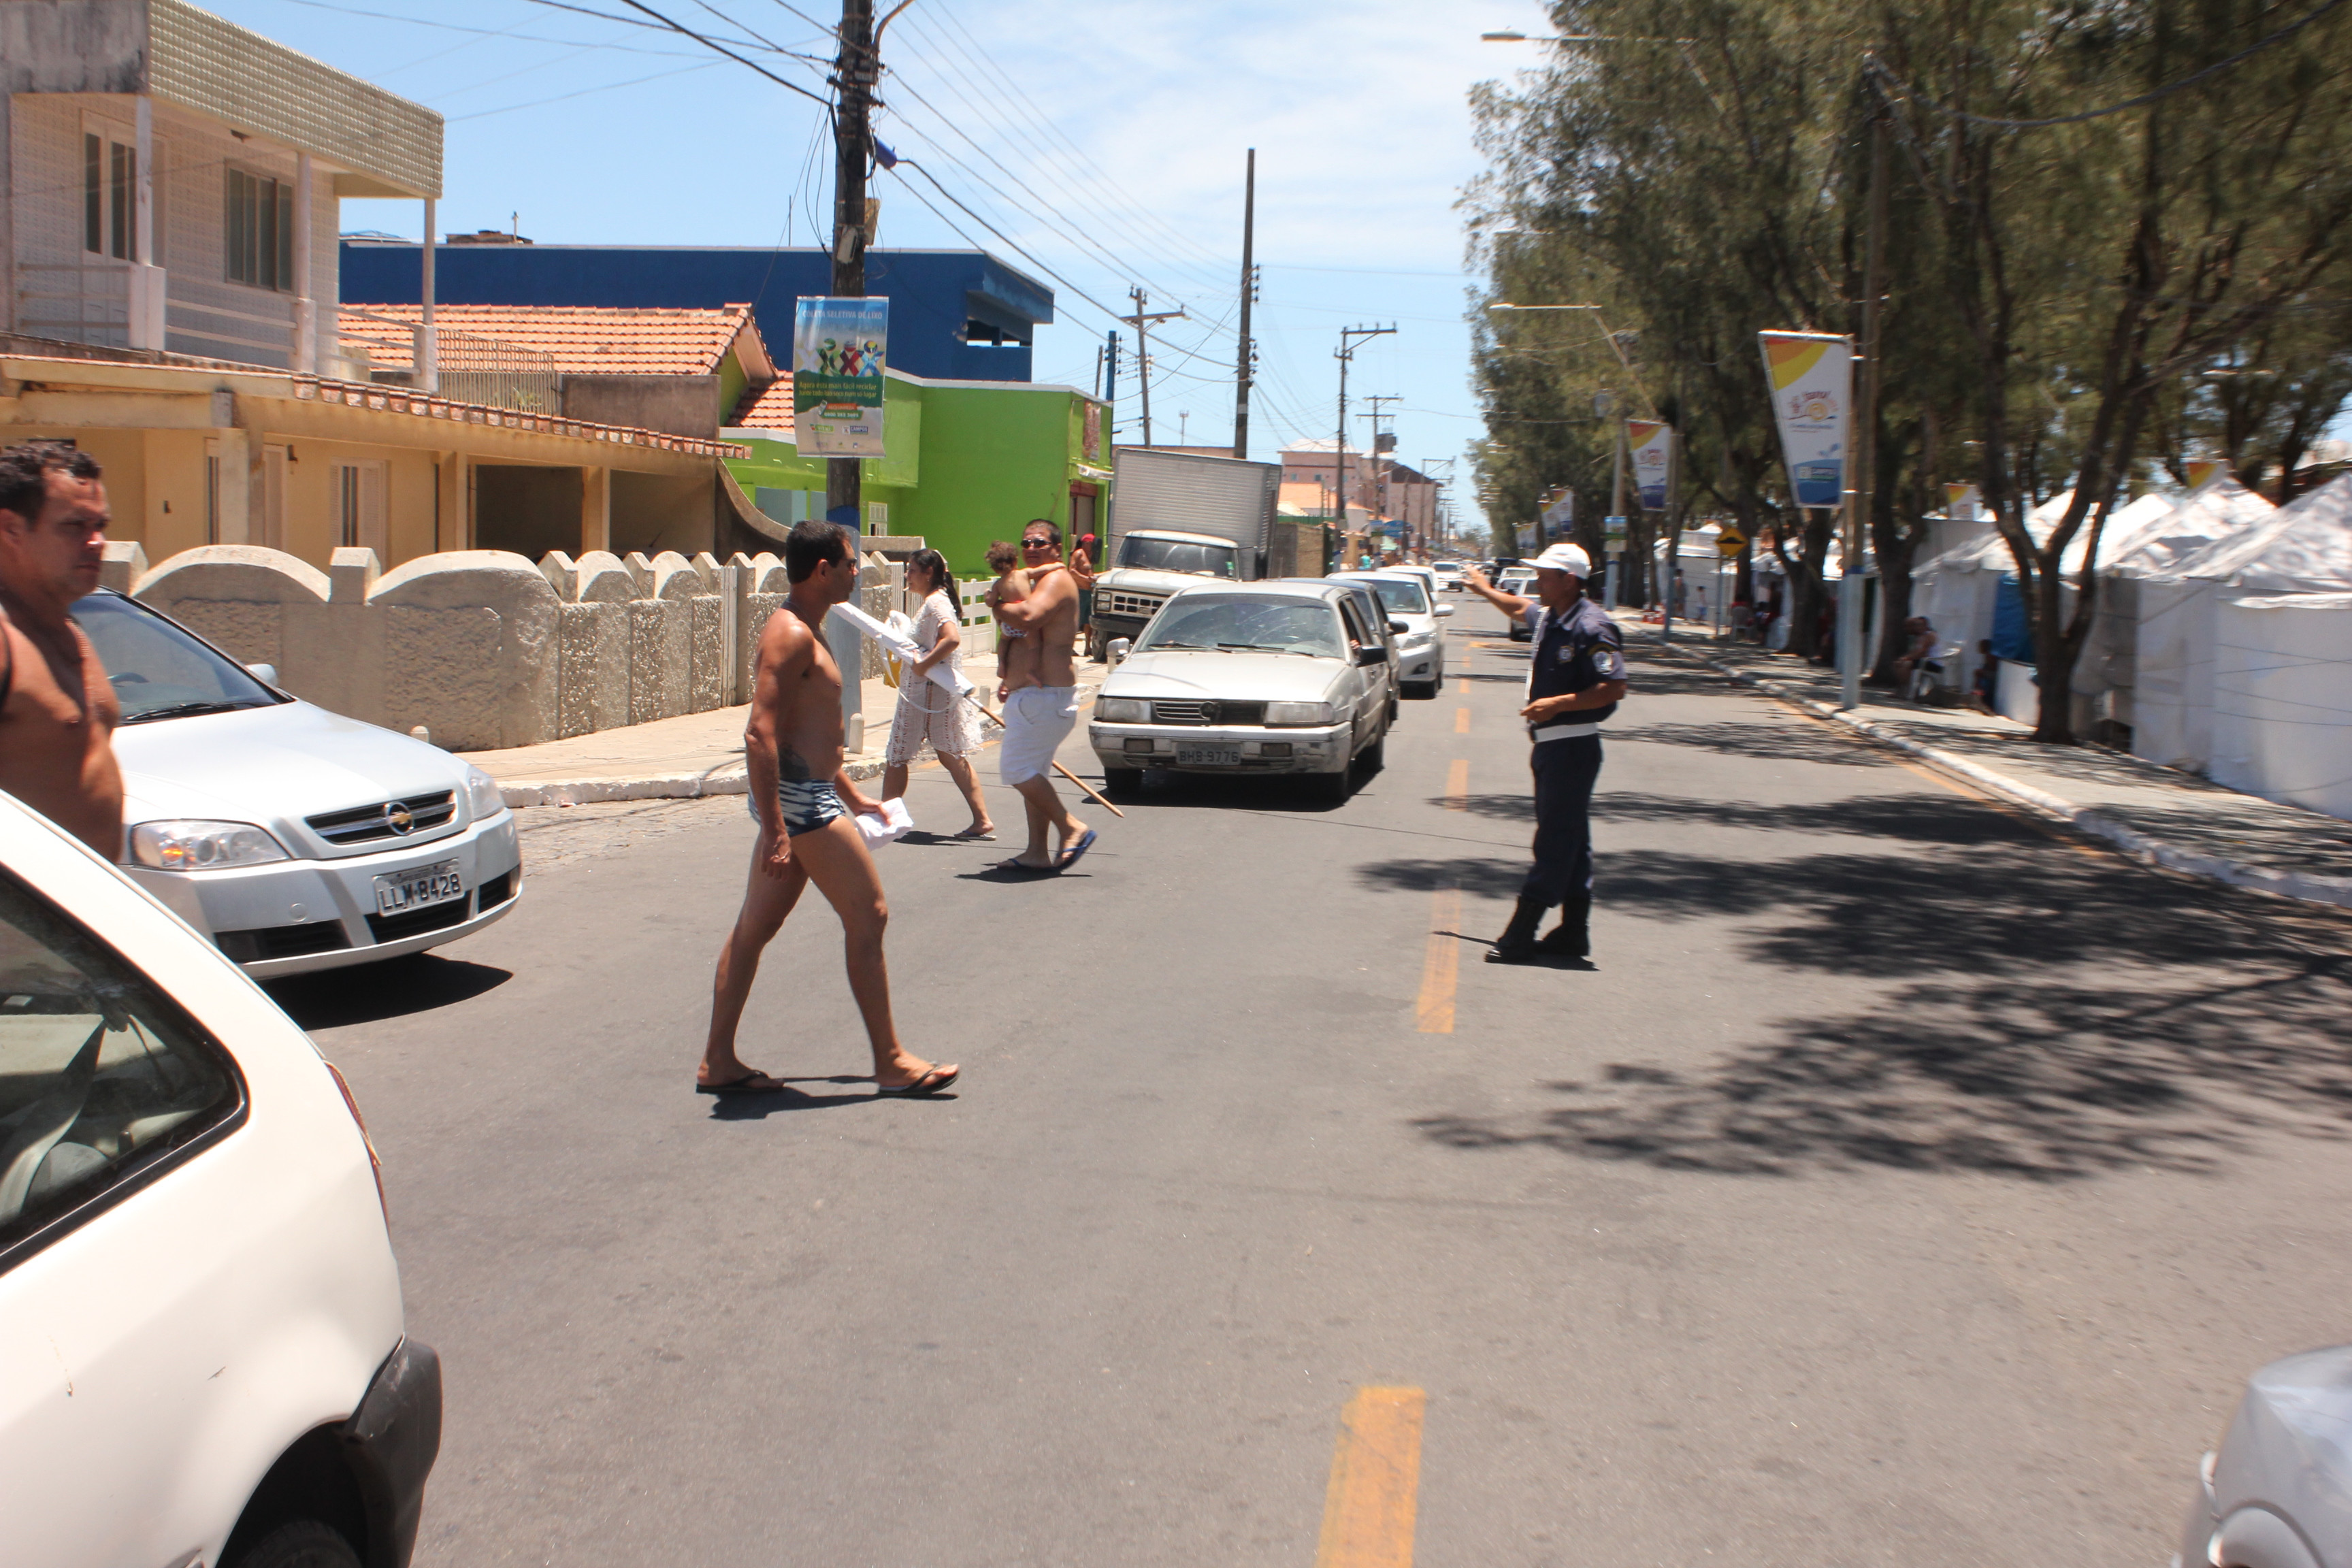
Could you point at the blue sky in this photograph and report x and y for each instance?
(1106, 140)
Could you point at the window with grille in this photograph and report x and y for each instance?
(260, 231)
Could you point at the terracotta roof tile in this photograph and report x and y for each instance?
(768, 407)
(582, 341)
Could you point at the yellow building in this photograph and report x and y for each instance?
(220, 454)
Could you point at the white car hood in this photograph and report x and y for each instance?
(1246, 677)
(273, 764)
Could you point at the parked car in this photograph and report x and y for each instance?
(1375, 615)
(294, 838)
(2278, 1492)
(1265, 677)
(207, 1360)
(1519, 580)
(1449, 575)
(1421, 646)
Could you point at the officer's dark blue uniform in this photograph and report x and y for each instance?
(1573, 651)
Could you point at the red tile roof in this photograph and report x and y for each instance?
(582, 341)
(768, 407)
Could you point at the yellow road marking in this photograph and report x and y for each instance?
(1462, 721)
(1368, 1512)
(1434, 1008)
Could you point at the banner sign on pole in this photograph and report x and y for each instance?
(1559, 518)
(1612, 531)
(839, 346)
(1652, 445)
(2204, 472)
(1812, 376)
(1961, 502)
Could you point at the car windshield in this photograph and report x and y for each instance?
(1176, 555)
(1245, 624)
(158, 671)
(1403, 595)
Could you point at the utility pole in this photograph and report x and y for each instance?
(1865, 417)
(1617, 510)
(854, 71)
(1141, 321)
(1245, 351)
(1379, 478)
(1345, 352)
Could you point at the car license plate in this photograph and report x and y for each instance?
(397, 892)
(1208, 756)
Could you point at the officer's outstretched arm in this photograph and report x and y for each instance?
(1510, 605)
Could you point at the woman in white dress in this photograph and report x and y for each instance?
(928, 711)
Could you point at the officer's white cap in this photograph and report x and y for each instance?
(1567, 558)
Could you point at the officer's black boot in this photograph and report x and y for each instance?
(1570, 938)
(1517, 943)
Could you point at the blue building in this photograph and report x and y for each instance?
(955, 315)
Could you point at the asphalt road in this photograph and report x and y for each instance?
(1903, 1184)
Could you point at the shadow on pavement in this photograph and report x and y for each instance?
(2043, 1080)
(1272, 793)
(1768, 743)
(369, 993)
(760, 1107)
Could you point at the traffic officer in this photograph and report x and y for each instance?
(1576, 678)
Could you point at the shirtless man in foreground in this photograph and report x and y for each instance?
(1042, 710)
(57, 711)
(804, 801)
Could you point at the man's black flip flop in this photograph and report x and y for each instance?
(929, 1083)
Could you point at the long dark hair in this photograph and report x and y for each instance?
(942, 580)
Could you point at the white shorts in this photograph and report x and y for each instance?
(1038, 720)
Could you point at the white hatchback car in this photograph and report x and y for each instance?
(1421, 646)
(205, 1360)
(296, 838)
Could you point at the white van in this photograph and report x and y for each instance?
(203, 1361)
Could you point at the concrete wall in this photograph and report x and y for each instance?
(484, 649)
(674, 404)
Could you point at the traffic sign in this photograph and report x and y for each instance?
(1612, 527)
(1730, 541)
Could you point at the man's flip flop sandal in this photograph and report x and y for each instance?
(931, 1082)
(1070, 856)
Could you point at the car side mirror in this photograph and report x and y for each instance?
(1119, 648)
(1444, 610)
(1398, 626)
(1371, 653)
(265, 673)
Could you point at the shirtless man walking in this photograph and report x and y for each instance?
(57, 711)
(1040, 713)
(804, 800)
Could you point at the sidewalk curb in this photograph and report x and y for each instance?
(2140, 847)
(734, 779)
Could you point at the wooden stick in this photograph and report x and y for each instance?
(1090, 790)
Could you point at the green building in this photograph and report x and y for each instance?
(968, 462)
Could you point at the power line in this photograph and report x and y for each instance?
(582, 92)
(731, 54)
(1904, 89)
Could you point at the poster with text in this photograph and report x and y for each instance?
(1812, 376)
(1559, 518)
(839, 346)
(1962, 504)
(1651, 443)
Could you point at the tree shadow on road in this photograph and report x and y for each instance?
(1776, 742)
(2045, 1080)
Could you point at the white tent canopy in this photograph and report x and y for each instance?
(2244, 656)
(2157, 547)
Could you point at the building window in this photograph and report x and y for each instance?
(110, 187)
(359, 505)
(260, 231)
